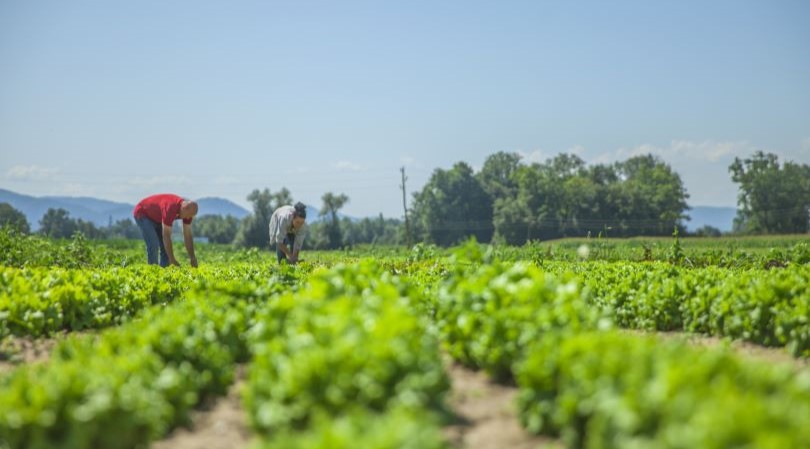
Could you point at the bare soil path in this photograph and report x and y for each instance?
(743, 349)
(222, 425)
(16, 351)
(487, 414)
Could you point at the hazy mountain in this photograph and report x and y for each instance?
(721, 218)
(100, 211)
(221, 206)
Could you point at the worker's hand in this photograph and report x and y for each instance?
(193, 261)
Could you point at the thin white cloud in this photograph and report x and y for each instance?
(538, 156)
(348, 166)
(707, 151)
(578, 150)
(30, 173)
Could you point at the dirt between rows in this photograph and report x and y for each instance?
(743, 349)
(220, 425)
(16, 351)
(487, 414)
(485, 418)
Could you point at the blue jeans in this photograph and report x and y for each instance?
(153, 236)
(289, 241)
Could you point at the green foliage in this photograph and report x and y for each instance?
(396, 429)
(676, 255)
(128, 386)
(254, 229)
(350, 339)
(488, 317)
(564, 197)
(331, 229)
(453, 206)
(343, 352)
(216, 228)
(773, 199)
(611, 390)
(56, 223)
(14, 219)
(39, 302)
(771, 308)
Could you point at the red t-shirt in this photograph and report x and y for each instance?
(163, 208)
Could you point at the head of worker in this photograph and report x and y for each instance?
(188, 209)
(299, 215)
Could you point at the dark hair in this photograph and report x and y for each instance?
(300, 210)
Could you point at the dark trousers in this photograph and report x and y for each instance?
(289, 241)
(153, 236)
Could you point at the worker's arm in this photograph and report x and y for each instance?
(167, 243)
(284, 249)
(188, 239)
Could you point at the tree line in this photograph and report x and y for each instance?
(511, 202)
(508, 201)
(331, 232)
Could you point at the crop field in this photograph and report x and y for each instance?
(587, 343)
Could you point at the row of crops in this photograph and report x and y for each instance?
(770, 307)
(348, 355)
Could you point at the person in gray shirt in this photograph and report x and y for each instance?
(288, 228)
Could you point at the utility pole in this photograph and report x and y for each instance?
(405, 208)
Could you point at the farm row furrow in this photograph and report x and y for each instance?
(42, 301)
(594, 387)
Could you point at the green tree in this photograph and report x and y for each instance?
(497, 176)
(452, 207)
(11, 217)
(125, 229)
(88, 229)
(329, 211)
(652, 198)
(773, 199)
(254, 230)
(216, 228)
(56, 223)
(564, 197)
(282, 198)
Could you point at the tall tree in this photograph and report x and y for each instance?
(11, 217)
(331, 205)
(773, 198)
(453, 206)
(56, 223)
(652, 199)
(216, 228)
(282, 198)
(497, 176)
(124, 228)
(255, 228)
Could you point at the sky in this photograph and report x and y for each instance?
(119, 100)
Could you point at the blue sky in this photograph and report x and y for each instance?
(123, 99)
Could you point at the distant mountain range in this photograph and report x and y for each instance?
(100, 212)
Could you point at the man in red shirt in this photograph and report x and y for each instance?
(155, 216)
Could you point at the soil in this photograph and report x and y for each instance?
(221, 425)
(486, 413)
(15, 351)
(744, 349)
